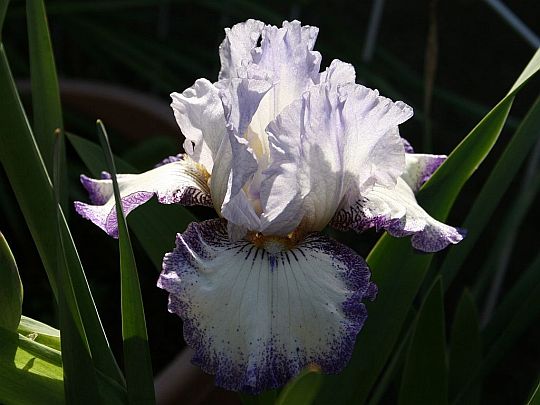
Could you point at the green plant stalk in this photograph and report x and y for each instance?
(80, 382)
(425, 375)
(521, 318)
(465, 352)
(29, 180)
(46, 107)
(492, 191)
(137, 361)
(11, 289)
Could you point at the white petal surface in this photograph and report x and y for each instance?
(328, 147)
(236, 48)
(256, 316)
(199, 114)
(419, 168)
(181, 182)
(396, 210)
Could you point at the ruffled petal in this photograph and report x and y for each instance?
(287, 54)
(236, 48)
(199, 114)
(182, 182)
(257, 315)
(396, 211)
(238, 160)
(419, 168)
(326, 149)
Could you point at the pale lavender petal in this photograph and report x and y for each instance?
(235, 50)
(199, 114)
(408, 146)
(181, 182)
(256, 315)
(327, 148)
(338, 73)
(420, 167)
(396, 211)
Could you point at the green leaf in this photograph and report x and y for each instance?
(399, 271)
(29, 180)
(493, 190)
(521, 318)
(39, 332)
(3, 10)
(137, 362)
(465, 348)
(535, 397)
(46, 108)
(302, 389)
(521, 291)
(425, 376)
(11, 289)
(155, 225)
(80, 380)
(30, 372)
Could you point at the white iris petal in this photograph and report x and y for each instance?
(280, 149)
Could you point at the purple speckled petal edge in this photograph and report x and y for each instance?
(250, 354)
(397, 212)
(177, 180)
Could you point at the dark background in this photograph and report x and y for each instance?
(157, 47)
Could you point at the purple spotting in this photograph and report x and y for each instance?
(183, 277)
(105, 217)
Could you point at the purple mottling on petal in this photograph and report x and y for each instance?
(278, 359)
(171, 159)
(94, 190)
(408, 146)
(427, 235)
(430, 168)
(105, 217)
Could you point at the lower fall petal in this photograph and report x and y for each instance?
(396, 211)
(181, 181)
(255, 314)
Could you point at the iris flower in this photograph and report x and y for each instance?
(280, 150)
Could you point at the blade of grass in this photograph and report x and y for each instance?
(155, 225)
(30, 372)
(425, 376)
(493, 190)
(28, 178)
(39, 332)
(80, 381)
(398, 288)
(535, 397)
(513, 301)
(465, 352)
(504, 243)
(137, 362)
(302, 389)
(11, 289)
(528, 312)
(46, 108)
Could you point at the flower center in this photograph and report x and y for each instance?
(272, 243)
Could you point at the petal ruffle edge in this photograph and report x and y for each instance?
(256, 315)
(182, 181)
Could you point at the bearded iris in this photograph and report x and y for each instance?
(280, 150)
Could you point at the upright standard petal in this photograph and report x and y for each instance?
(396, 211)
(182, 181)
(237, 47)
(257, 314)
(327, 148)
(199, 114)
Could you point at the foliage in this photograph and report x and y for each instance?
(401, 356)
